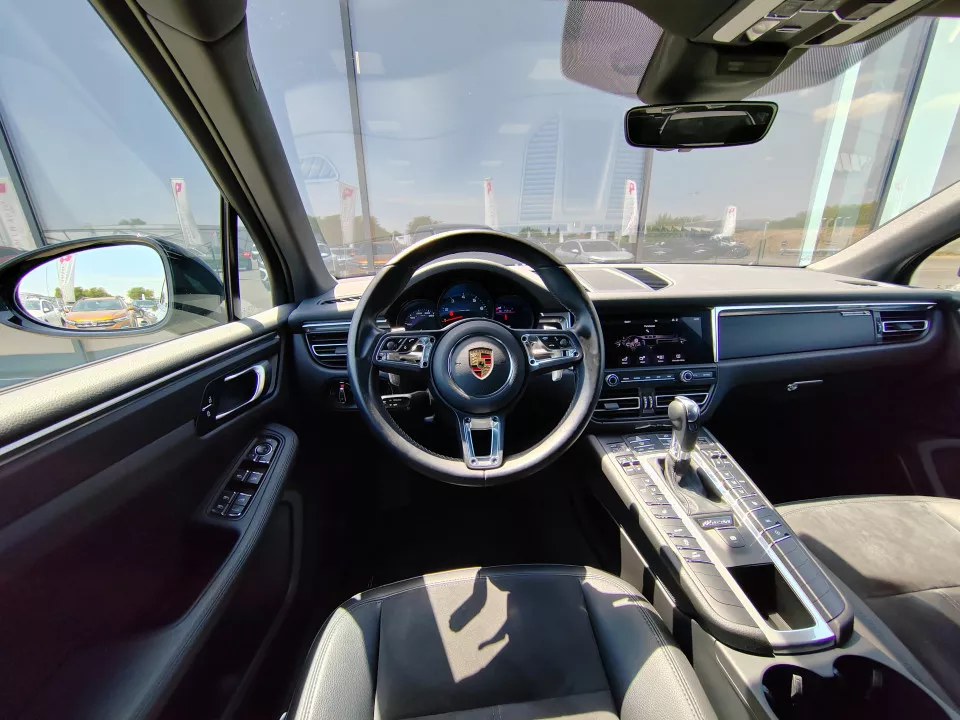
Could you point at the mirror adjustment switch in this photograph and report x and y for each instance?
(264, 451)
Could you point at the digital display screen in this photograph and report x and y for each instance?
(655, 342)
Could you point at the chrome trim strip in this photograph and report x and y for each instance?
(774, 309)
(260, 372)
(482, 462)
(924, 326)
(129, 395)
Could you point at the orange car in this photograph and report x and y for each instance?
(103, 313)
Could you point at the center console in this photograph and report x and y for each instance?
(733, 555)
(774, 637)
(650, 360)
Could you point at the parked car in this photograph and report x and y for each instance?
(592, 251)
(101, 313)
(358, 260)
(43, 310)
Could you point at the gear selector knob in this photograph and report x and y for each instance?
(684, 416)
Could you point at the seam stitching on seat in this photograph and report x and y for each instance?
(952, 601)
(684, 686)
(596, 641)
(640, 606)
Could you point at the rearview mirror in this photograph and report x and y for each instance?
(698, 125)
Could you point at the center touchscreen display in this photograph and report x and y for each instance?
(649, 342)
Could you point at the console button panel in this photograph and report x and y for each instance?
(237, 495)
(749, 533)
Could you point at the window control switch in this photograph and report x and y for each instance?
(223, 502)
(254, 478)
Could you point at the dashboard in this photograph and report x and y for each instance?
(668, 329)
(436, 303)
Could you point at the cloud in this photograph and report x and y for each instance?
(862, 106)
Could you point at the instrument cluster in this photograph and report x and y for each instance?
(465, 300)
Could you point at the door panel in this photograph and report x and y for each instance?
(112, 571)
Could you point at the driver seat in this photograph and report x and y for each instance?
(506, 643)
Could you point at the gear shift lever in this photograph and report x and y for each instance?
(684, 415)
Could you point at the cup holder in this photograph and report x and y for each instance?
(859, 687)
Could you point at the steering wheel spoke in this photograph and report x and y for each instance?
(483, 435)
(405, 351)
(550, 350)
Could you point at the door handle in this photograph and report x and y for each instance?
(260, 384)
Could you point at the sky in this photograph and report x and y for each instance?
(116, 269)
(450, 92)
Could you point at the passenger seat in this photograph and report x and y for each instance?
(901, 557)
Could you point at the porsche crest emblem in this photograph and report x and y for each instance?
(481, 361)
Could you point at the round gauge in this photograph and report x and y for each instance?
(464, 300)
(513, 311)
(418, 315)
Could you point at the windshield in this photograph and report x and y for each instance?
(97, 304)
(599, 246)
(398, 116)
(31, 305)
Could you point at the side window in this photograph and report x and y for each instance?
(940, 270)
(96, 154)
(255, 288)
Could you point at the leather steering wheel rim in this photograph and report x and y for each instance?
(365, 335)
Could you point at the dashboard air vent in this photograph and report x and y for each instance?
(897, 326)
(328, 343)
(345, 299)
(698, 394)
(649, 278)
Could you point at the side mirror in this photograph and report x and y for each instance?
(698, 125)
(94, 287)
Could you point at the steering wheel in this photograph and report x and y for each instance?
(478, 368)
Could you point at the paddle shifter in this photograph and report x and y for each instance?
(684, 415)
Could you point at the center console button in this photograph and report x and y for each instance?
(664, 512)
(677, 531)
(695, 556)
(656, 499)
(776, 534)
(686, 543)
(732, 537)
(754, 503)
(765, 520)
(716, 521)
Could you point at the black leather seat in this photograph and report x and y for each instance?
(900, 556)
(510, 643)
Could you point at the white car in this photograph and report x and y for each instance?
(592, 251)
(43, 311)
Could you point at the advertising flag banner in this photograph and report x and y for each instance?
(348, 212)
(188, 226)
(631, 209)
(66, 266)
(489, 205)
